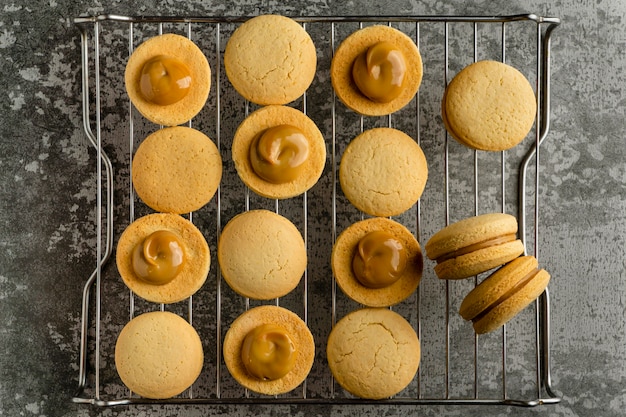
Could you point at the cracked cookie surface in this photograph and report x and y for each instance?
(261, 254)
(373, 353)
(383, 172)
(270, 59)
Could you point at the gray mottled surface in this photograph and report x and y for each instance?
(47, 233)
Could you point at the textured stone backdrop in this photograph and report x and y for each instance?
(48, 197)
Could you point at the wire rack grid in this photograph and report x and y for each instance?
(511, 367)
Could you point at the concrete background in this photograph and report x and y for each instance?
(48, 197)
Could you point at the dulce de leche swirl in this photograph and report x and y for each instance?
(164, 80)
(379, 260)
(159, 258)
(379, 72)
(279, 154)
(268, 353)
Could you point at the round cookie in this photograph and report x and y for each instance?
(270, 59)
(158, 355)
(343, 252)
(383, 172)
(197, 259)
(489, 106)
(258, 122)
(261, 254)
(503, 294)
(176, 170)
(358, 43)
(373, 353)
(474, 245)
(185, 51)
(299, 333)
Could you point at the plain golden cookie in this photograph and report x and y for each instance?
(299, 334)
(158, 355)
(261, 254)
(358, 43)
(373, 353)
(255, 124)
(196, 250)
(270, 59)
(383, 172)
(176, 170)
(489, 106)
(503, 294)
(192, 57)
(474, 245)
(343, 252)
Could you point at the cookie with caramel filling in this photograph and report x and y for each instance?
(376, 70)
(168, 79)
(284, 326)
(474, 245)
(353, 245)
(190, 258)
(373, 353)
(504, 294)
(278, 152)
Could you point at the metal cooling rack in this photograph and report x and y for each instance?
(513, 377)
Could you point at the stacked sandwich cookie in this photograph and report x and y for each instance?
(478, 244)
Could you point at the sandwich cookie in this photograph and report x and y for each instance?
(489, 106)
(377, 262)
(269, 350)
(168, 79)
(158, 355)
(474, 245)
(376, 71)
(503, 294)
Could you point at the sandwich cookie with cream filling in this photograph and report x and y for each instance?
(474, 245)
(504, 294)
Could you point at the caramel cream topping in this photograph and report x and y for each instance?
(268, 353)
(514, 289)
(477, 246)
(279, 154)
(379, 73)
(159, 258)
(164, 80)
(379, 260)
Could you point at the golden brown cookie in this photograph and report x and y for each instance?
(196, 258)
(196, 77)
(158, 355)
(176, 170)
(383, 172)
(259, 122)
(373, 353)
(357, 44)
(503, 294)
(346, 248)
(270, 59)
(261, 254)
(474, 245)
(295, 328)
(489, 106)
